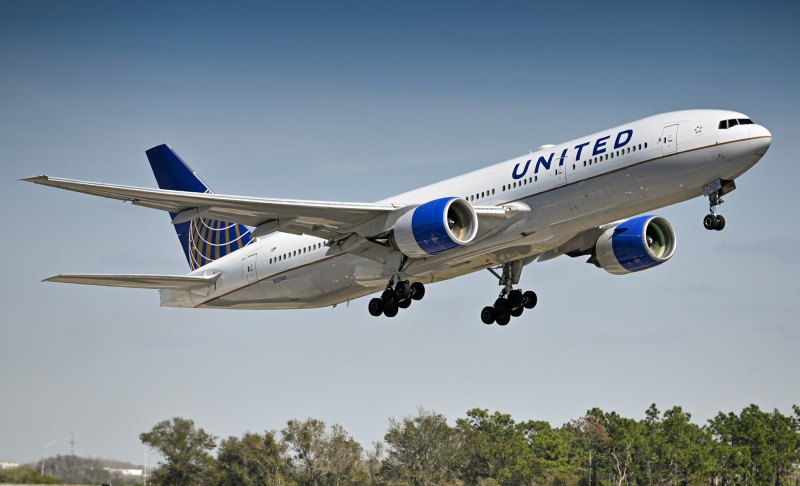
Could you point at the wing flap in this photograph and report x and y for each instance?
(153, 282)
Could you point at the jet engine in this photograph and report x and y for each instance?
(435, 227)
(634, 245)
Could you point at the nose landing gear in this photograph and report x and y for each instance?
(511, 302)
(715, 191)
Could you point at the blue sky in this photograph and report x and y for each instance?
(358, 101)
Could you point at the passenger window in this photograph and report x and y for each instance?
(492, 191)
(535, 178)
(645, 145)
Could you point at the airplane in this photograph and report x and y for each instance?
(580, 198)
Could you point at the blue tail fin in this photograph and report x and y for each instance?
(203, 240)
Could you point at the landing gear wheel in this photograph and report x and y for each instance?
(488, 315)
(502, 321)
(501, 308)
(375, 307)
(720, 223)
(515, 299)
(404, 304)
(389, 298)
(390, 311)
(710, 222)
(417, 291)
(530, 299)
(517, 312)
(403, 291)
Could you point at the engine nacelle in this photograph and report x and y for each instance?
(435, 227)
(634, 245)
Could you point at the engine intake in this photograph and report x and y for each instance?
(634, 245)
(435, 227)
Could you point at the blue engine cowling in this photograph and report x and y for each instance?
(435, 227)
(634, 245)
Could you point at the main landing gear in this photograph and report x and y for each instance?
(398, 295)
(715, 191)
(511, 302)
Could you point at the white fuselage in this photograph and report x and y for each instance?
(570, 187)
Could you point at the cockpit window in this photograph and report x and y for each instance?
(736, 121)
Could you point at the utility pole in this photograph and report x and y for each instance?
(73, 439)
(43, 448)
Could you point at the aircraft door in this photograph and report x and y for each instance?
(560, 172)
(250, 268)
(669, 140)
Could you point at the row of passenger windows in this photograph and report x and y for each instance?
(611, 155)
(530, 180)
(734, 122)
(294, 253)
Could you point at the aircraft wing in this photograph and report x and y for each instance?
(318, 218)
(155, 282)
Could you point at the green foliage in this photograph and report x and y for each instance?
(254, 460)
(483, 449)
(321, 457)
(424, 451)
(25, 475)
(186, 453)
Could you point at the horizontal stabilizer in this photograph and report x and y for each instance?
(155, 282)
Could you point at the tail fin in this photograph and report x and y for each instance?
(203, 240)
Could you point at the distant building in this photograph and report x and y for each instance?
(8, 465)
(125, 472)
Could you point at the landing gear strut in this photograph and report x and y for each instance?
(511, 302)
(715, 191)
(398, 295)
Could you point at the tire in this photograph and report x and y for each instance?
(530, 299)
(517, 312)
(404, 304)
(501, 308)
(417, 291)
(502, 321)
(389, 298)
(709, 222)
(488, 316)
(391, 311)
(403, 291)
(720, 223)
(515, 299)
(375, 307)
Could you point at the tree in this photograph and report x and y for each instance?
(185, 450)
(500, 448)
(320, 457)
(424, 451)
(593, 435)
(255, 459)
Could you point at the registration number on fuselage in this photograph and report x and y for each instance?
(712, 188)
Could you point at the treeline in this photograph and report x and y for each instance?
(483, 449)
(71, 469)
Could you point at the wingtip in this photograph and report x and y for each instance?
(36, 179)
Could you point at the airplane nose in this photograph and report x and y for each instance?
(760, 139)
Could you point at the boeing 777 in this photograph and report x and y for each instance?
(580, 198)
